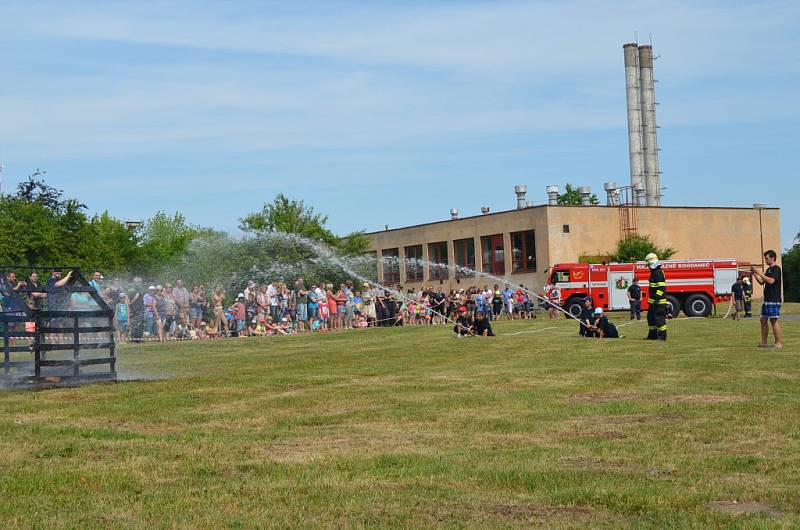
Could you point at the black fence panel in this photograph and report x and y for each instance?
(63, 329)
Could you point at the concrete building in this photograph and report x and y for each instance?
(519, 246)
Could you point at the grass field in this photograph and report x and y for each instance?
(411, 427)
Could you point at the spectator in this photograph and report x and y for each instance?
(57, 296)
(122, 317)
(182, 299)
(508, 301)
(36, 291)
(302, 304)
(136, 301)
(219, 322)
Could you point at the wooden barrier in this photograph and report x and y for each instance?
(55, 330)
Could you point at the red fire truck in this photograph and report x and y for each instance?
(692, 285)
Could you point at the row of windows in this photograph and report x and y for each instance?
(493, 258)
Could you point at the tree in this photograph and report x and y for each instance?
(636, 247)
(111, 246)
(353, 244)
(290, 216)
(791, 272)
(164, 240)
(35, 190)
(572, 197)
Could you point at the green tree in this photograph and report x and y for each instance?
(572, 197)
(791, 272)
(636, 247)
(111, 246)
(290, 216)
(29, 233)
(353, 244)
(164, 240)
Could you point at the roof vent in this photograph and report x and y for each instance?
(586, 195)
(484, 210)
(552, 195)
(521, 191)
(453, 213)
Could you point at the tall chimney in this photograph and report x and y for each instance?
(453, 213)
(521, 191)
(586, 195)
(652, 175)
(632, 90)
(640, 194)
(552, 195)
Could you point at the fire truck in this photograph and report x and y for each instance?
(692, 285)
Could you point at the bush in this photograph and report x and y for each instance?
(636, 247)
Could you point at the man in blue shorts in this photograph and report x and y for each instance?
(771, 309)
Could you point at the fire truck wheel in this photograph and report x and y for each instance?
(697, 305)
(673, 306)
(574, 306)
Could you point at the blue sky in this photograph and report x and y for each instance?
(391, 112)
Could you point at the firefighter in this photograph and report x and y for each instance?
(657, 300)
(748, 297)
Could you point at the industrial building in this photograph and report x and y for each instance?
(519, 245)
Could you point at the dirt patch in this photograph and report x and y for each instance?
(600, 397)
(746, 508)
(706, 398)
(612, 435)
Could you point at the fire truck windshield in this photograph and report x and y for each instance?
(559, 277)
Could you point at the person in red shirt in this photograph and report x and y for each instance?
(240, 315)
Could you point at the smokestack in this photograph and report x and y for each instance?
(453, 213)
(632, 90)
(586, 195)
(647, 94)
(484, 210)
(521, 191)
(639, 194)
(552, 195)
(611, 193)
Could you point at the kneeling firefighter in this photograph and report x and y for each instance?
(657, 301)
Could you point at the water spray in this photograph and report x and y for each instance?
(468, 271)
(327, 253)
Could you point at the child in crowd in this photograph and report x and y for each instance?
(122, 317)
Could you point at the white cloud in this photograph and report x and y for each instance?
(371, 75)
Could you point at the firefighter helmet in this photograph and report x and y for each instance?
(650, 258)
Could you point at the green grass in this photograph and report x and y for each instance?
(411, 427)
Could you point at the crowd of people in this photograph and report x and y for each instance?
(176, 311)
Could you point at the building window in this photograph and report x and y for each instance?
(390, 258)
(523, 251)
(414, 263)
(437, 256)
(565, 229)
(493, 253)
(464, 250)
